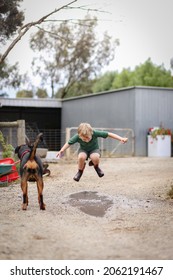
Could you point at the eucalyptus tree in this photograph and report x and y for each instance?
(11, 18)
(71, 53)
(25, 94)
(9, 76)
(145, 74)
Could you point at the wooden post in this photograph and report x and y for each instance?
(8, 124)
(21, 132)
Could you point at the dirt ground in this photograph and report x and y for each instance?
(127, 214)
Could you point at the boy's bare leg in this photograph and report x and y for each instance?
(81, 160)
(95, 159)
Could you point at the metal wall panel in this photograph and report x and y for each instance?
(138, 108)
(153, 108)
(112, 109)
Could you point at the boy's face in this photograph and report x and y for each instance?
(85, 138)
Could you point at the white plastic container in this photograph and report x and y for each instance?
(159, 147)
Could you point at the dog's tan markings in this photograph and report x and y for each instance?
(31, 164)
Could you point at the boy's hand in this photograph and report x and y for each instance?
(60, 154)
(124, 140)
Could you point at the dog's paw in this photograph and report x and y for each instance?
(24, 206)
(42, 206)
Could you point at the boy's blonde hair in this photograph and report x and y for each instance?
(85, 129)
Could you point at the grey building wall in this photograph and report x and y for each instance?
(137, 108)
(153, 107)
(112, 109)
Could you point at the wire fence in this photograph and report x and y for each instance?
(53, 138)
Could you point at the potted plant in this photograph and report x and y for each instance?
(159, 142)
(159, 131)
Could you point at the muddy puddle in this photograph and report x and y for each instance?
(95, 204)
(91, 203)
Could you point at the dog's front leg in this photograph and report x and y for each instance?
(24, 187)
(40, 186)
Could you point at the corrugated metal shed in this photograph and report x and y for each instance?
(138, 108)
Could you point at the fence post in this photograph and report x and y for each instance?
(21, 132)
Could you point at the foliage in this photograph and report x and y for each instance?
(70, 54)
(124, 79)
(146, 74)
(7, 149)
(25, 94)
(149, 74)
(104, 83)
(10, 18)
(24, 28)
(156, 131)
(77, 89)
(41, 93)
(9, 76)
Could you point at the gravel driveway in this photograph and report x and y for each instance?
(127, 214)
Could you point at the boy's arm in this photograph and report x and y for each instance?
(61, 152)
(71, 141)
(117, 137)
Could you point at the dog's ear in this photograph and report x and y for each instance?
(17, 149)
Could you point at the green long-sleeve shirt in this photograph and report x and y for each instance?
(92, 144)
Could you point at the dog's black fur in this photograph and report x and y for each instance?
(31, 169)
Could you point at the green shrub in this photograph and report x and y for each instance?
(7, 149)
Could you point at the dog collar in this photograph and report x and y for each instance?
(24, 153)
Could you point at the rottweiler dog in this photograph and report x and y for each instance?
(31, 169)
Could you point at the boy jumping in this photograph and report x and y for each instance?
(89, 148)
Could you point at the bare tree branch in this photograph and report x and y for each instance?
(27, 26)
(87, 9)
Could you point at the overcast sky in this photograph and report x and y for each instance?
(144, 28)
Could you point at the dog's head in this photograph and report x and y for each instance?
(22, 149)
(28, 147)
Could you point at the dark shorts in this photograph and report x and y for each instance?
(97, 151)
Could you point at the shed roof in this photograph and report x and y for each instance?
(117, 90)
(30, 102)
(57, 103)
